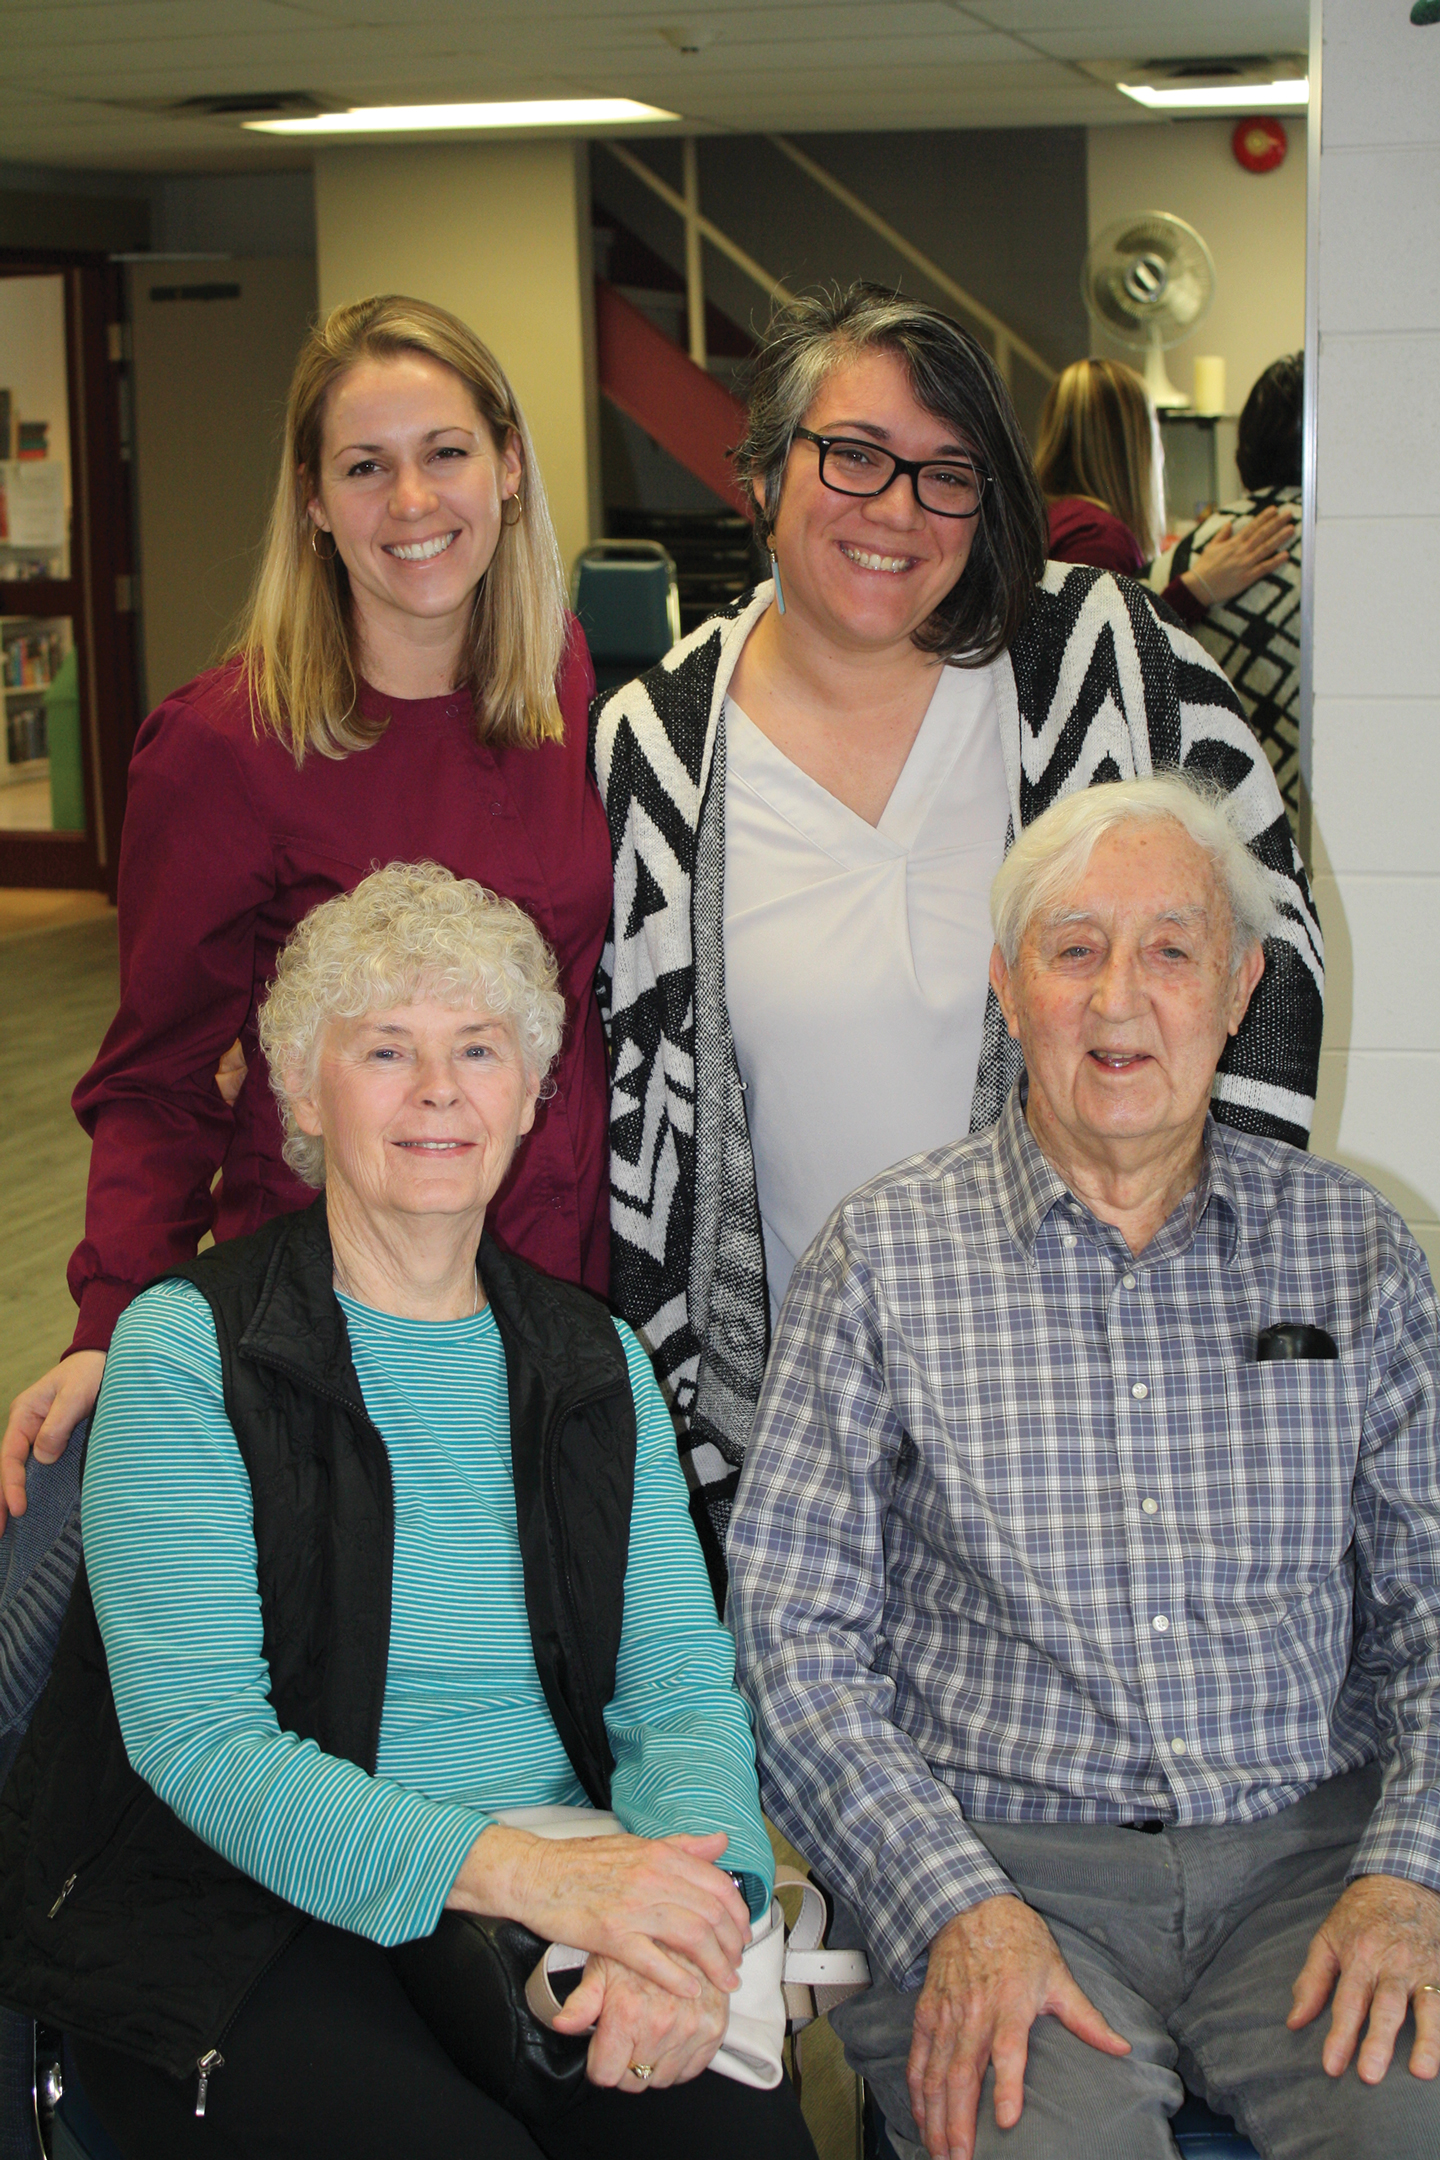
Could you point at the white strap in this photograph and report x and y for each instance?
(844, 1971)
(827, 1968)
(815, 1979)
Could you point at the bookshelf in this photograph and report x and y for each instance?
(32, 651)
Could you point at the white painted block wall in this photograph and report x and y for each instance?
(1376, 556)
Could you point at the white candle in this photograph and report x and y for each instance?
(1209, 383)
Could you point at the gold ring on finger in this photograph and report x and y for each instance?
(645, 2071)
(1428, 1987)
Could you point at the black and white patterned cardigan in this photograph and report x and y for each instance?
(1100, 685)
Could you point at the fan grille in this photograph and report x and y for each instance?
(1149, 279)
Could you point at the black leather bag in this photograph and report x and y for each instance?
(467, 1981)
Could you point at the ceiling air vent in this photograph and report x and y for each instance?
(1213, 71)
(253, 105)
(234, 106)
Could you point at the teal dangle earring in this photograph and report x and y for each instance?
(779, 588)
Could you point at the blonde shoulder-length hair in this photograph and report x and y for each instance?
(297, 639)
(1098, 438)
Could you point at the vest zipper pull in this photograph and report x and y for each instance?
(206, 2067)
(65, 1888)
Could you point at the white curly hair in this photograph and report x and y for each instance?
(408, 932)
(1050, 857)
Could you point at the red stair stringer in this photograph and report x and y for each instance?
(661, 389)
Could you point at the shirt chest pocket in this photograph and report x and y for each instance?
(1292, 1442)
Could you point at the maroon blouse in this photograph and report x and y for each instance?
(226, 845)
(1082, 531)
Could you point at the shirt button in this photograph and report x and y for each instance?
(1127, 1282)
(1069, 1240)
(1151, 1507)
(1139, 1391)
(1177, 1747)
(1160, 1623)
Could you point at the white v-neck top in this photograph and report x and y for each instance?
(857, 957)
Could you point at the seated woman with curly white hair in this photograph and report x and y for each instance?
(385, 1536)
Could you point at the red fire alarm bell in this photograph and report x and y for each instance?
(1259, 145)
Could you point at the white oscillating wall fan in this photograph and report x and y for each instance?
(1149, 281)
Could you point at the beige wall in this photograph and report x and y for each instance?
(499, 233)
(1376, 711)
(211, 378)
(1253, 224)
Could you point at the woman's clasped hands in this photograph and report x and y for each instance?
(633, 2021)
(666, 1929)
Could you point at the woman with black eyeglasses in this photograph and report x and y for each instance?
(808, 800)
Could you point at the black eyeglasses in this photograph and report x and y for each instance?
(950, 487)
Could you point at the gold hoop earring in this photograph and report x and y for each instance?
(512, 502)
(315, 545)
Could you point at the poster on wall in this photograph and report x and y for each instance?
(32, 504)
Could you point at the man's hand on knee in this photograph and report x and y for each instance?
(1379, 1948)
(993, 1970)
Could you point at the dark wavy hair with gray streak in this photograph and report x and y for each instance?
(954, 378)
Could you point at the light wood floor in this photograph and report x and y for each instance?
(25, 805)
(27, 908)
(58, 990)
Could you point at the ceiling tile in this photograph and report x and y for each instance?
(1171, 26)
(119, 24)
(803, 64)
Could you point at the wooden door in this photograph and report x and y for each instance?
(67, 647)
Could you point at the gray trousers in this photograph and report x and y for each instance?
(1189, 1941)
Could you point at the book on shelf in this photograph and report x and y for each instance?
(31, 658)
(25, 733)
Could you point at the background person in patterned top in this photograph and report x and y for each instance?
(1255, 634)
(1033, 1550)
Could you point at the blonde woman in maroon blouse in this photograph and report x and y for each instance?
(407, 686)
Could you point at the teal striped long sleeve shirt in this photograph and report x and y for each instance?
(465, 1732)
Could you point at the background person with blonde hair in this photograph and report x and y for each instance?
(406, 685)
(1102, 464)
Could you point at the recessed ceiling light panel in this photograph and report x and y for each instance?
(454, 119)
(1287, 93)
(1214, 83)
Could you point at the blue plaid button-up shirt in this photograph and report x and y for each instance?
(1025, 1534)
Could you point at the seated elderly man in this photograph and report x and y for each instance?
(1095, 1491)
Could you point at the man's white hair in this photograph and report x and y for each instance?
(1051, 856)
(408, 933)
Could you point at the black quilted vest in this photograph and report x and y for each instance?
(115, 1920)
